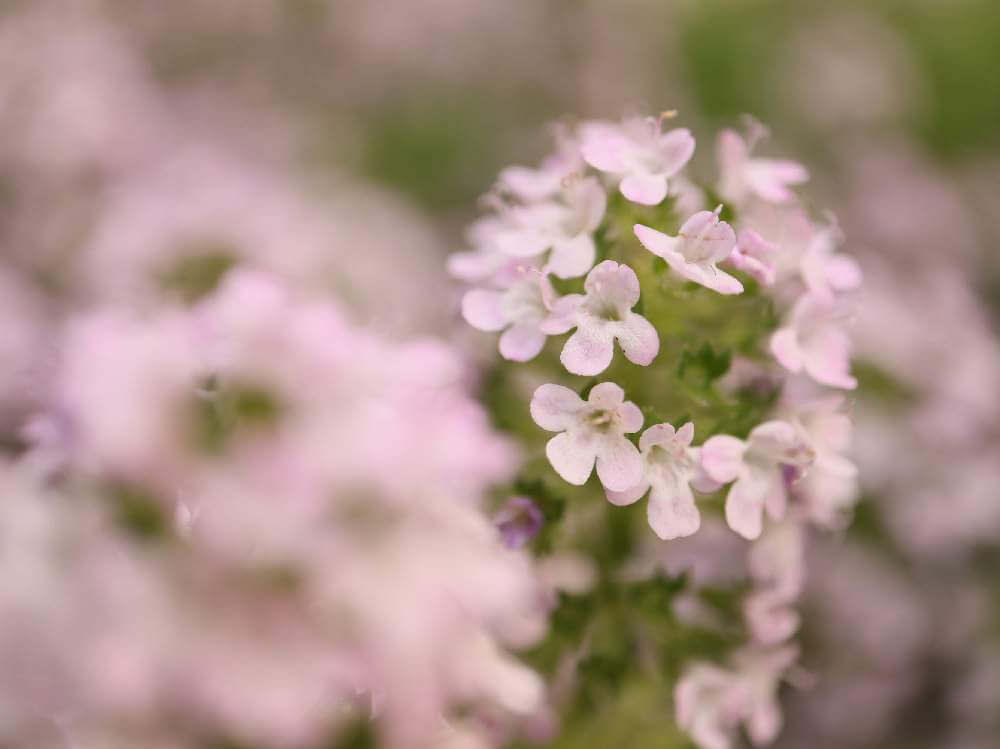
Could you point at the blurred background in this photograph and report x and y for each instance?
(346, 143)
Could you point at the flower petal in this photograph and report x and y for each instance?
(619, 465)
(672, 512)
(555, 408)
(588, 351)
(629, 496)
(676, 147)
(483, 309)
(785, 347)
(604, 147)
(722, 457)
(631, 417)
(572, 456)
(645, 189)
(745, 503)
(612, 285)
(606, 395)
(656, 241)
(521, 342)
(571, 258)
(638, 339)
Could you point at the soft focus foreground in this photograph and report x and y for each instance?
(247, 502)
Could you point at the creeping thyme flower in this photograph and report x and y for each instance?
(518, 311)
(702, 242)
(825, 271)
(602, 316)
(744, 175)
(671, 467)
(639, 153)
(590, 431)
(755, 467)
(814, 341)
(518, 521)
(755, 256)
(711, 702)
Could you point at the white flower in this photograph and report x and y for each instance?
(590, 431)
(742, 175)
(518, 311)
(670, 468)
(755, 467)
(711, 702)
(755, 256)
(601, 316)
(702, 242)
(814, 340)
(637, 151)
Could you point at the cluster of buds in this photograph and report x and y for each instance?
(669, 262)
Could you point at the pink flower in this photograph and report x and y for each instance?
(671, 467)
(601, 316)
(711, 702)
(755, 256)
(518, 311)
(702, 242)
(825, 271)
(742, 175)
(814, 340)
(589, 432)
(637, 151)
(755, 467)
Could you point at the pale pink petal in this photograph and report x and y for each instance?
(785, 347)
(554, 407)
(765, 721)
(722, 457)
(619, 465)
(607, 395)
(629, 496)
(572, 456)
(657, 242)
(591, 201)
(704, 233)
(731, 151)
(475, 266)
(613, 285)
(638, 339)
(530, 184)
(521, 342)
(745, 503)
(672, 512)
(827, 358)
(631, 417)
(521, 243)
(571, 258)
(686, 433)
(676, 148)
(604, 147)
(656, 435)
(646, 189)
(483, 309)
(707, 275)
(588, 351)
(843, 272)
(769, 178)
(562, 313)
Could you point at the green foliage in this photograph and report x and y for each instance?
(138, 511)
(219, 411)
(198, 271)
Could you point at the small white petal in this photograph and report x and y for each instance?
(571, 258)
(645, 189)
(785, 348)
(521, 342)
(629, 496)
(572, 456)
(745, 503)
(631, 417)
(722, 457)
(638, 339)
(483, 309)
(672, 512)
(606, 395)
(555, 408)
(588, 351)
(619, 465)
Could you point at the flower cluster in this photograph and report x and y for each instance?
(614, 240)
